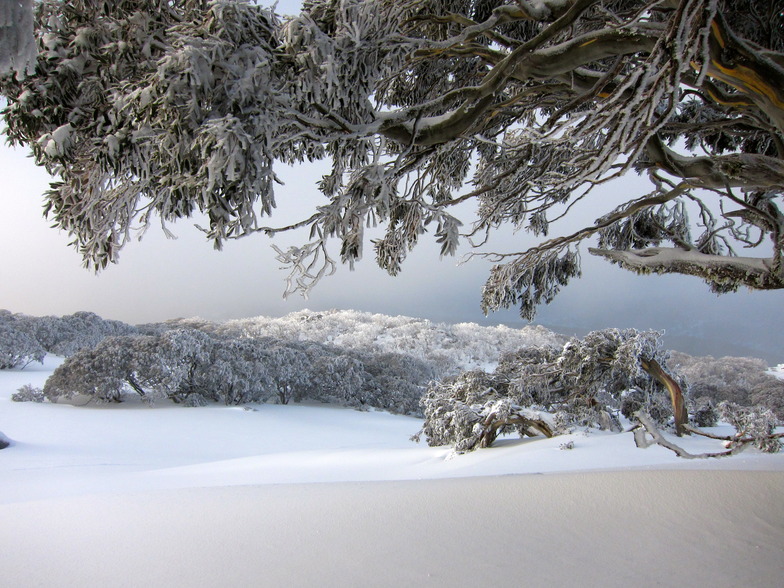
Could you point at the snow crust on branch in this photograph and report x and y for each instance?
(723, 272)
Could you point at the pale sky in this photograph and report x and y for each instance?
(160, 278)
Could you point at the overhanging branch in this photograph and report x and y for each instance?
(737, 170)
(756, 273)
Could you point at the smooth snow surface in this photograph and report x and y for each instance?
(641, 529)
(130, 495)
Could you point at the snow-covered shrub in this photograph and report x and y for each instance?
(704, 412)
(193, 367)
(398, 381)
(770, 394)
(450, 349)
(82, 330)
(64, 335)
(657, 406)
(94, 373)
(454, 409)
(17, 347)
(757, 423)
(470, 411)
(28, 393)
(582, 384)
(740, 380)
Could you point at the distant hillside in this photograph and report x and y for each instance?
(450, 347)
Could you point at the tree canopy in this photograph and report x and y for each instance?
(166, 108)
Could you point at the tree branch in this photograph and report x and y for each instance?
(521, 64)
(757, 273)
(648, 426)
(736, 170)
(747, 69)
(653, 369)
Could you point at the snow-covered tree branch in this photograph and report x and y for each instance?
(166, 109)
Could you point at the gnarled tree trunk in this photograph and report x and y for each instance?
(653, 369)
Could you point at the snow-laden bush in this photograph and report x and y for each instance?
(704, 412)
(757, 423)
(192, 368)
(68, 334)
(657, 406)
(470, 411)
(28, 393)
(32, 337)
(740, 380)
(449, 348)
(547, 390)
(18, 348)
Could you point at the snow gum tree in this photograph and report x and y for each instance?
(545, 390)
(167, 108)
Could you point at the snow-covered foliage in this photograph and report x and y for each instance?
(450, 348)
(589, 382)
(30, 337)
(472, 409)
(757, 422)
(170, 108)
(28, 393)
(740, 380)
(194, 368)
(17, 348)
(704, 412)
(547, 390)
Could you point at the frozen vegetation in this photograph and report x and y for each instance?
(526, 110)
(472, 384)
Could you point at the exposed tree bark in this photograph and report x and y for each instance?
(749, 69)
(493, 425)
(652, 368)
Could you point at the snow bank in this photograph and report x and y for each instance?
(609, 529)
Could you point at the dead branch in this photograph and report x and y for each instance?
(648, 426)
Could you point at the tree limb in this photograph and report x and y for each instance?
(649, 427)
(735, 170)
(747, 69)
(757, 273)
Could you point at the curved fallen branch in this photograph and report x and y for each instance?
(735, 444)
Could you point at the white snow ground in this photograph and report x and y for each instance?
(63, 450)
(72, 469)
